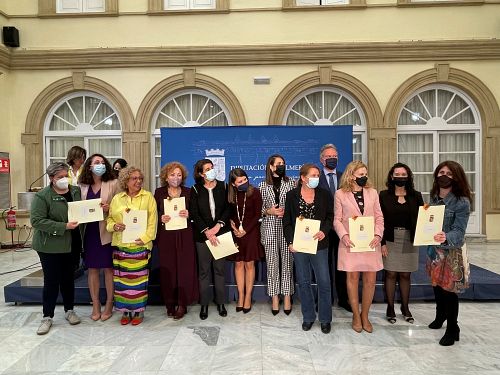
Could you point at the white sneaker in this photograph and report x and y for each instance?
(72, 318)
(44, 326)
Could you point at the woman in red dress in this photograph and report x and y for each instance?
(178, 277)
(247, 205)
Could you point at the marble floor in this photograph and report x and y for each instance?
(254, 343)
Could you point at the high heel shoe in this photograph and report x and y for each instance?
(391, 319)
(275, 312)
(287, 311)
(222, 310)
(246, 311)
(436, 323)
(180, 312)
(239, 308)
(407, 316)
(204, 312)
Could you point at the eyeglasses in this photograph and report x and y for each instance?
(136, 178)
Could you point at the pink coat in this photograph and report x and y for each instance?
(345, 208)
(108, 191)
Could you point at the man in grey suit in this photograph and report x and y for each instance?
(329, 179)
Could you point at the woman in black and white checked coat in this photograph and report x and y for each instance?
(278, 258)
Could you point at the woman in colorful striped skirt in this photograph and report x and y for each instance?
(130, 260)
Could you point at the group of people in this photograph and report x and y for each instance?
(262, 222)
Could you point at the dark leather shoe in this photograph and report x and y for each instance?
(275, 312)
(306, 326)
(450, 336)
(239, 308)
(222, 310)
(326, 327)
(345, 306)
(246, 311)
(204, 312)
(180, 312)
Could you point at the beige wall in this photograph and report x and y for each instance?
(266, 25)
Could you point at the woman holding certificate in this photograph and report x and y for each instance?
(54, 240)
(178, 279)
(445, 264)
(360, 225)
(211, 212)
(247, 206)
(97, 181)
(399, 203)
(132, 219)
(309, 202)
(279, 260)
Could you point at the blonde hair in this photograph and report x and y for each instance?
(168, 168)
(347, 176)
(124, 176)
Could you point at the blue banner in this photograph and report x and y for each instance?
(249, 147)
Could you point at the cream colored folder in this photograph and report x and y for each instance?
(225, 247)
(172, 208)
(303, 241)
(86, 211)
(429, 223)
(136, 223)
(361, 233)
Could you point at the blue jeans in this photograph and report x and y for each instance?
(319, 264)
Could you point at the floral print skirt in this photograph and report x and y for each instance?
(447, 269)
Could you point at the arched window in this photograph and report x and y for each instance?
(438, 123)
(186, 108)
(82, 119)
(329, 106)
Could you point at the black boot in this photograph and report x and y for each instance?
(222, 310)
(440, 308)
(452, 333)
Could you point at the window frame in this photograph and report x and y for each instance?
(361, 130)
(293, 6)
(156, 133)
(48, 9)
(157, 8)
(433, 3)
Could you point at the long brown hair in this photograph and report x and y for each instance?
(269, 173)
(460, 185)
(232, 190)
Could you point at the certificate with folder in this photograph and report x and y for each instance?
(361, 233)
(225, 247)
(172, 207)
(305, 229)
(136, 223)
(429, 223)
(86, 211)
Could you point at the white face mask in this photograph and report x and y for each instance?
(210, 175)
(62, 183)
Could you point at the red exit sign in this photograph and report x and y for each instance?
(4, 165)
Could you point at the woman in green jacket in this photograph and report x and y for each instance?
(54, 240)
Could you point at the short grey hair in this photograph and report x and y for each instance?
(56, 167)
(326, 147)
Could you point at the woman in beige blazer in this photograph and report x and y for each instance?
(98, 181)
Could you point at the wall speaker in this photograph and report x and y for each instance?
(10, 36)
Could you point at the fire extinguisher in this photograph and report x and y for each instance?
(10, 219)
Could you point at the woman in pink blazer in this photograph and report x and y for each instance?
(356, 197)
(97, 180)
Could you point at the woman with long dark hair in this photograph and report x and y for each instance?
(399, 204)
(279, 260)
(445, 264)
(97, 181)
(247, 205)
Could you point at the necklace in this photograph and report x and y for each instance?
(243, 211)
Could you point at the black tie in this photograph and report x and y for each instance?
(331, 183)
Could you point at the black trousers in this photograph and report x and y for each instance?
(338, 278)
(205, 263)
(57, 276)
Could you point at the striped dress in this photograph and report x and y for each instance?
(130, 261)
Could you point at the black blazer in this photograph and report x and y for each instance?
(323, 210)
(387, 201)
(199, 210)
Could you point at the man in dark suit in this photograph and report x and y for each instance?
(329, 179)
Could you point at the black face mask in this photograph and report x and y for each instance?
(280, 170)
(399, 181)
(243, 187)
(361, 181)
(331, 163)
(444, 181)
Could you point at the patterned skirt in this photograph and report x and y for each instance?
(130, 276)
(446, 269)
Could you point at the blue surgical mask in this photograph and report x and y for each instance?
(313, 182)
(99, 169)
(331, 163)
(210, 175)
(243, 187)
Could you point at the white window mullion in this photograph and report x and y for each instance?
(94, 6)
(176, 4)
(202, 4)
